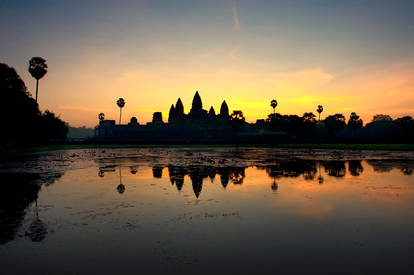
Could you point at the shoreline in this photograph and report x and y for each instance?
(22, 151)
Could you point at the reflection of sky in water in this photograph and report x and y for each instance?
(279, 216)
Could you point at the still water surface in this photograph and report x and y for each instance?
(208, 210)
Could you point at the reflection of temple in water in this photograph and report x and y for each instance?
(197, 175)
(311, 170)
(157, 172)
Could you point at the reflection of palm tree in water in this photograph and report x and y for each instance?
(274, 185)
(120, 187)
(320, 178)
(133, 170)
(101, 173)
(37, 230)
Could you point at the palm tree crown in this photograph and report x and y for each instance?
(320, 109)
(101, 116)
(273, 103)
(120, 102)
(38, 69)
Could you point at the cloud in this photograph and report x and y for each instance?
(235, 15)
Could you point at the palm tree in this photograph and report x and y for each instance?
(38, 69)
(120, 188)
(101, 117)
(319, 110)
(273, 103)
(121, 103)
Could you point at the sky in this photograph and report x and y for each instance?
(349, 56)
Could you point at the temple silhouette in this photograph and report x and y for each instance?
(198, 125)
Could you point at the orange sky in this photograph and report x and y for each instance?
(345, 57)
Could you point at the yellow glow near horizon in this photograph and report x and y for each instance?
(147, 91)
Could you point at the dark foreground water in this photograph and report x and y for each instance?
(199, 211)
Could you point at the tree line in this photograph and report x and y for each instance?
(24, 123)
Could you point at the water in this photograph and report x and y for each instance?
(193, 210)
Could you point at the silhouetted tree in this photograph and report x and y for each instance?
(28, 124)
(275, 121)
(133, 121)
(52, 127)
(237, 120)
(309, 121)
(381, 117)
(101, 117)
(14, 96)
(224, 110)
(273, 103)
(406, 126)
(319, 110)
(335, 123)
(38, 69)
(354, 121)
(121, 103)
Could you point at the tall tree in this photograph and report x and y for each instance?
(18, 109)
(273, 103)
(38, 69)
(319, 110)
(133, 121)
(354, 121)
(121, 103)
(309, 121)
(381, 117)
(335, 123)
(237, 120)
(101, 117)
